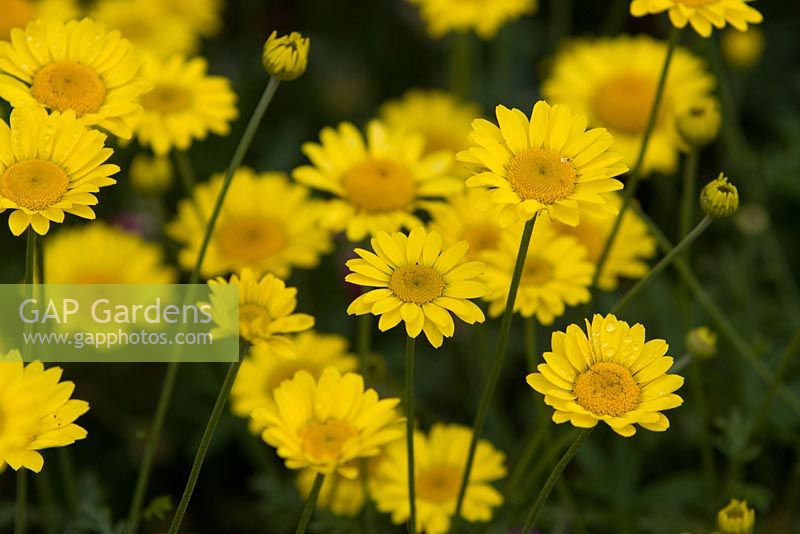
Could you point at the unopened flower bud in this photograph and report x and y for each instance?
(285, 58)
(698, 125)
(736, 518)
(701, 342)
(719, 198)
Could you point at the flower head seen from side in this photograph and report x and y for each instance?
(325, 424)
(417, 282)
(628, 255)
(547, 163)
(702, 15)
(736, 518)
(379, 181)
(185, 104)
(613, 82)
(18, 13)
(262, 371)
(50, 165)
(439, 460)
(108, 255)
(557, 274)
(267, 223)
(484, 17)
(37, 410)
(461, 219)
(285, 58)
(443, 119)
(77, 67)
(608, 373)
(266, 312)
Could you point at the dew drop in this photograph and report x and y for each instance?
(611, 327)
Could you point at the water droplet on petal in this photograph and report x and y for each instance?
(611, 327)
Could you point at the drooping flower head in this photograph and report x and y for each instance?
(484, 17)
(326, 424)
(263, 371)
(546, 163)
(108, 255)
(285, 58)
(439, 460)
(557, 274)
(380, 182)
(77, 67)
(267, 223)
(37, 412)
(417, 282)
(184, 105)
(608, 373)
(701, 14)
(266, 312)
(613, 82)
(50, 165)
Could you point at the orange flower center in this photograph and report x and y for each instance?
(416, 283)
(325, 440)
(250, 239)
(607, 388)
(438, 483)
(379, 186)
(34, 184)
(541, 175)
(481, 237)
(167, 99)
(537, 272)
(64, 86)
(624, 103)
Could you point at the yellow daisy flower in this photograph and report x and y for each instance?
(629, 253)
(444, 120)
(18, 13)
(742, 50)
(327, 424)
(262, 372)
(378, 183)
(266, 312)
(339, 495)
(185, 104)
(557, 274)
(439, 460)
(76, 67)
(205, 16)
(608, 374)
(613, 82)
(37, 412)
(108, 255)
(151, 175)
(461, 219)
(50, 165)
(546, 163)
(267, 223)
(484, 17)
(418, 283)
(150, 25)
(701, 14)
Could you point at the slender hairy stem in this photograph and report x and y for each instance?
(208, 435)
(21, 516)
(39, 276)
(188, 178)
(30, 256)
(688, 195)
(461, 64)
(531, 353)
(363, 342)
(168, 386)
(636, 172)
(553, 478)
(311, 503)
(409, 404)
(497, 365)
(725, 327)
(67, 474)
(661, 265)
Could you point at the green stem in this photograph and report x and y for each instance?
(208, 435)
(560, 21)
(44, 490)
(636, 172)
(188, 178)
(553, 478)
(497, 364)
(461, 64)
(661, 265)
(780, 372)
(39, 277)
(67, 474)
(363, 342)
(168, 386)
(30, 256)
(20, 519)
(724, 326)
(688, 195)
(531, 353)
(525, 459)
(409, 405)
(706, 449)
(311, 503)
